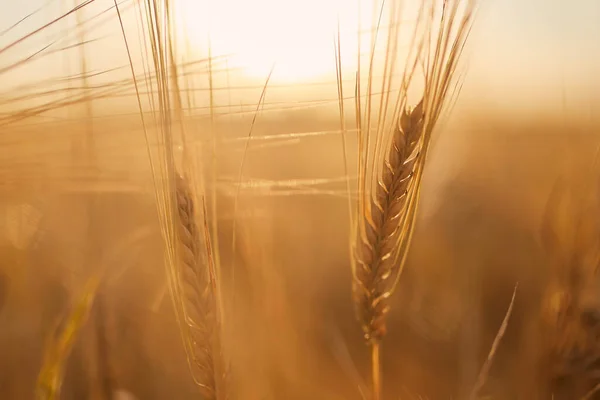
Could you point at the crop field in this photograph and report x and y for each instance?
(337, 200)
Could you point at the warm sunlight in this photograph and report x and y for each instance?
(296, 38)
(299, 199)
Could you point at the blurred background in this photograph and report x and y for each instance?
(258, 83)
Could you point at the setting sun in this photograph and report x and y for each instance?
(294, 38)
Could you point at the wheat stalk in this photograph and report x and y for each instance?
(386, 229)
(389, 195)
(190, 260)
(388, 225)
(198, 274)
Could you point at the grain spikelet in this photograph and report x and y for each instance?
(197, 274)
(59, 348)
(190, 262)
(389, 193)
(388, 202)
(384, 224)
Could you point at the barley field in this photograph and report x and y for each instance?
(335, 199)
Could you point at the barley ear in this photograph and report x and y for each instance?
(199, 287)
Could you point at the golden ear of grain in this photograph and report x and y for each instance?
(388, 210)
(571, 301)
(199, 289)
(379, 244)
(58, 348)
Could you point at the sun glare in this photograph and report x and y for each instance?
(294, 38)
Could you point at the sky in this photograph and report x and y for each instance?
(522, 53)
(539, 47)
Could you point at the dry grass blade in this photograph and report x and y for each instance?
(590, 395)
(485, 369)
(59, 348)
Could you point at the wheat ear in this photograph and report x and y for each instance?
(388, 203)
(376, 252)
(197, 274)
(388, 226)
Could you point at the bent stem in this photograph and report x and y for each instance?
(375, 370)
